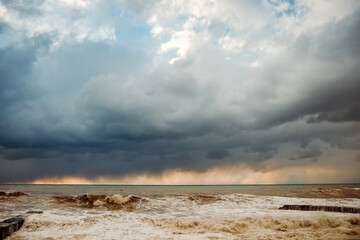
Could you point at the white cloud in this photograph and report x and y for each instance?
(4, 13)
(156, 27)
(230, 44)
(73, 22)
(184, 25)
(79, 3)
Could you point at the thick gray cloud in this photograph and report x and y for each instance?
(331, 89)
(93, 106)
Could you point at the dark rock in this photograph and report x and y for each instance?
(2, 193)
(18, 219)
(321, 208)
(34, 212)
(4, 230)
(8, 226)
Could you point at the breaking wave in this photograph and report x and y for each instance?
(204, 199)
(113, 202)
(12, 194)
(111, 225)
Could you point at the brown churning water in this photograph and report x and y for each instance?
(183, 212)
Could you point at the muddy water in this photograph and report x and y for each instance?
(181, 212)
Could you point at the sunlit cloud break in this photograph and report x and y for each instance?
(179, 92)
(237, 174)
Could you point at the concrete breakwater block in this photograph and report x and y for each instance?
(8, 226)
(321, 208)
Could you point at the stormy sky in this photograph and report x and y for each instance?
(218, 91)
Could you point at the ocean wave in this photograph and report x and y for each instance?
(204, 199)
(12, 194)
(113, 202)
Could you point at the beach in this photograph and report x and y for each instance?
(181, 212)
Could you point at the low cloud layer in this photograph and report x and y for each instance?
(123, 88)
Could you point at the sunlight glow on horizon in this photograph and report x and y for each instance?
(238, 174)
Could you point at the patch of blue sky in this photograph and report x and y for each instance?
(115, 11)
(130, 30)
(290, 11)
(227, 30)
(198, 28)
(138, 36)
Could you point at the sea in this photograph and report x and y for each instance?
(181, 212)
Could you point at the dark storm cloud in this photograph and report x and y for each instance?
(308, 152)
(350, 114)
(31, 109)
(15, 70)
(16, 64)
(3, 27)
(95, 108)
(217, 154)
(333, 91)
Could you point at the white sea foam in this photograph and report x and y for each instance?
(120, 225)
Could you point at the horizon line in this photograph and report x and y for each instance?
(235, 184)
